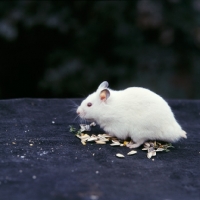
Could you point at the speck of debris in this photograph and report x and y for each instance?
(94, 197)
(34, 177)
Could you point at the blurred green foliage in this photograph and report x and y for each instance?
(65, 49)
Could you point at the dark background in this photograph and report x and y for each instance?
(53, 49)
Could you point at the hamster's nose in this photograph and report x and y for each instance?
(78, 111)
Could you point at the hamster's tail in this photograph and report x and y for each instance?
(183, 134)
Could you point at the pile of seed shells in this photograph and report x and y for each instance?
(103, 139)
(100, 139)
(151, 146)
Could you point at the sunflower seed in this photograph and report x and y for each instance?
(104, 140)
(85, 136)
(115, 141)
(159, 149)
(78, 136)
(93, 124)
(131, 152)
(119, 155)
(91, 139)
(146, 144)
(85, 127)
(93, 135)
(106, 135)
(83, 142)
(149, 155)
(151, 144)
(153, 153)
(100, 142)
(115, 144)
(150, 149)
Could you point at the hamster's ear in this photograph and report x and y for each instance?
(103, 85)
(104, 94)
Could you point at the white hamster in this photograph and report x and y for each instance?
(135, 113)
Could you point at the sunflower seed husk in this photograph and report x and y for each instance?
(85, 127)
(119, 155)
(144, 149)
(85, 136)
(106, 135)
(146, 144)
(99, 135)
(149, 155)
(115, 144)
(93, 124)
(104, 140)
(83, 142)
(91, 139)
(115, 141)
(160, 149)
(132, 152)
(100, 142)
(153, 153)
(78, 136)
(151, 144)
(150, 149)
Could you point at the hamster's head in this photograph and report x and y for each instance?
(91, 108)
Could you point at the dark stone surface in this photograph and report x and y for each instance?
(58, 166)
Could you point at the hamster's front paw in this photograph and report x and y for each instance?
(132, 145)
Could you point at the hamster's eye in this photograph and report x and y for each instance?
(89, 104)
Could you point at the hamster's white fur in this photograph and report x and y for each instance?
(135, 112)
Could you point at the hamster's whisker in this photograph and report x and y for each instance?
(82, 121)
(73, 106)
(75, 118)
(72, 110)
